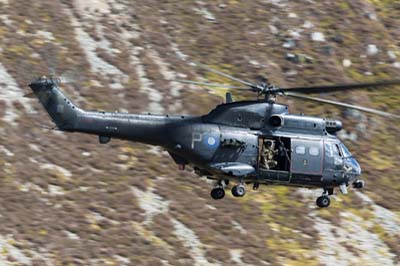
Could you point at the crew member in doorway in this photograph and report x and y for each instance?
(268, 155)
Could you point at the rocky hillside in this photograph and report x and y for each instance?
(66, 200)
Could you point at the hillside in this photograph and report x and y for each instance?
(66, 200)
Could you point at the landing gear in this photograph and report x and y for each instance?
(359, 184)
(217, 193)
(256, 186)
(238, 190)
(323, 201)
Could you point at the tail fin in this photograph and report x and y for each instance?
(61, 110)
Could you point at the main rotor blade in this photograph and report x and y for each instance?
(209, 84)
(340, 87)
(224, 75)
(356, 107)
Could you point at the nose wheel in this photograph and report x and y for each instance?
(359, 184)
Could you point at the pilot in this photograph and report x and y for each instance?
(268, 155)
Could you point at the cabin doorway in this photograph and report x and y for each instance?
(274, 153)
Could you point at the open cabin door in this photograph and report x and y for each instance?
(274, 159)
(307, 156)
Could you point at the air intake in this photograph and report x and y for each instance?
(333, 126)
(276, 121)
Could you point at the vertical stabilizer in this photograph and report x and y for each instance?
(61, 110)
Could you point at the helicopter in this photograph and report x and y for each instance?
(243, 142)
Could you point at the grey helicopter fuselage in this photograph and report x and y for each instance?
(224, 144)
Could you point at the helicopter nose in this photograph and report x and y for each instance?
(355, 166)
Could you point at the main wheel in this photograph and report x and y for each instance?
(238, 190)
(323, 201)
(217, 193)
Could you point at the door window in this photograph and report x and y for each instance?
(301, 150)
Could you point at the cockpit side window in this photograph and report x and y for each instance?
(345, 151)
(338, 150)
(333, 154)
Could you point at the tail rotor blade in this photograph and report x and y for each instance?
(65, 80)
(70, 76)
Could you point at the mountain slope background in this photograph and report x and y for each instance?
(66, 200)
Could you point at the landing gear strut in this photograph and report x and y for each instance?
(324, 201)
(256, 186)
(238, 190)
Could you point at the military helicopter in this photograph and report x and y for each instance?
(244, 142)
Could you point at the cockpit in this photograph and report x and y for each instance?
(339, 158)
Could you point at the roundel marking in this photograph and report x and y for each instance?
(211, 141)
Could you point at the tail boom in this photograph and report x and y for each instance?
(149, 129)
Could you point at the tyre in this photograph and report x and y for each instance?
(238, 191)
(217, 193)
(358, 184)
(323, 201)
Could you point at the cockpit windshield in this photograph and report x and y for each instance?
(346, 153)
